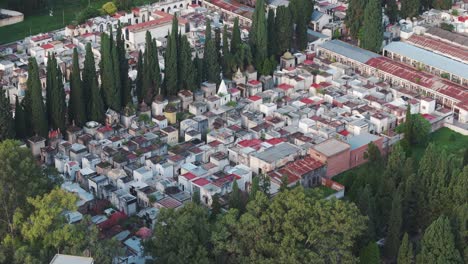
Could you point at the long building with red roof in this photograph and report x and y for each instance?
(447, 93)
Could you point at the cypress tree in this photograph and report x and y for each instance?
(271, 29)
(20, 121)
(301, 11)
(236, 37)
(171, 71)
(7, 129)
(284, 28)
(355, 16)
(370, 254)
(56, 106)
(39, 123)
(405, 253)
(372, 26)
(117, 98)
(147, 71)
(187, 69)
(410, 204)
(391, 11)
(156, 73)
(235, 199)
(215, 207)
(95, 106)
(139, 78)
(199, 70)
(438, 244)
(26, 106)
(410, 8)
(125, 82)
(210, 57)
(258, 34)
(255, 188)
(50, 83)
(218, 42)
(107, 72)
(392, 241)
(226, 58)
(77, 109)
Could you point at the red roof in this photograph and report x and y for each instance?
(340, 8)
(215, 143)
(428, 117)
(275, 141)
(308, 62)
(249, 142)
(439, 46)
(42, 37)
(201, 182)
(47, 46)
(169, 202)
(164, 19)
(254, 82)
(344, 132)
(144, 233)
(462, 19)
(307, 101)
(189, 176)
(285, 86)
(254, 98)
(229, 178)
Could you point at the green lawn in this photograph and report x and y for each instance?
(443, 138)
(42, 22)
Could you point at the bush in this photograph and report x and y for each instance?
(446, 26)
(86, 14)
(109, 8)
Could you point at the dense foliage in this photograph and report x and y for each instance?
(292, 228)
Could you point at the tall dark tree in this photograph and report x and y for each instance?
(199, 70)
(284, 29)
(372, 28)
(215, 206)
(272, 29)
(77, 108)
(405, 253)
(187, 71)
(235, 198)
(370, 254)
(55, 95)
(392, 242)
(301, 12)
(111, 95)
(171, 70)
(236, 37)
(7, 129)
(409, 8)
(438, 244)
(125, 82)
(38, 115)
(227, 58)
(117, 101)
(95, 106)
(355, 16)
(210, 57)
(139, 79)
(20, 120)
(258, 35)
(391, 10)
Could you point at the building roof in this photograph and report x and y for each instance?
(429, 58)
(331, 147)
(437, 46)
(201, 182)
(448, 36)
(277, 152)
(349, 50)
(69, 259)
(360, 140)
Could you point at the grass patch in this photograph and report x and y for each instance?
(64, 13)
(444, 138)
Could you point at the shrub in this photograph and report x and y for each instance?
(109, 8)
(86, 14)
